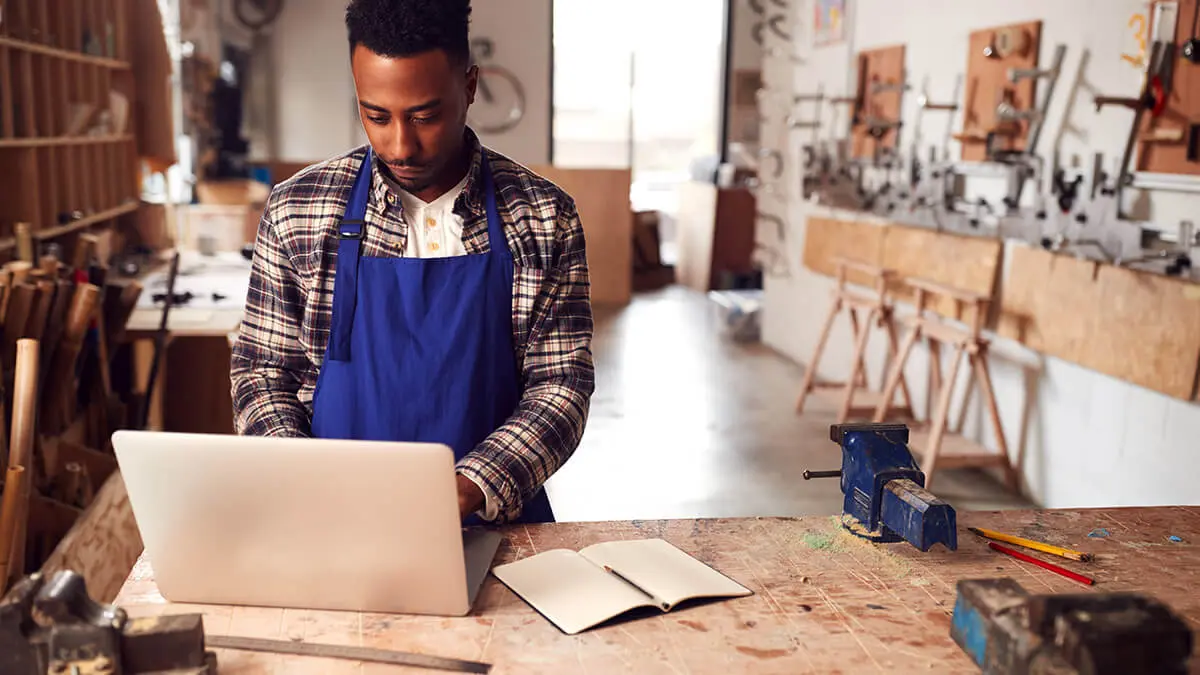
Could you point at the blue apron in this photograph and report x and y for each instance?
(421, 350)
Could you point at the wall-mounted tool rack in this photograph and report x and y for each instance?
(875, 117)
(68, 157)
(994, 55)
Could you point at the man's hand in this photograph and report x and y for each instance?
(470, 497)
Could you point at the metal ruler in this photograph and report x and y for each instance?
(345, 652)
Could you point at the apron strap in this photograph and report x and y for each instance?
(497, 242)
(350, 235)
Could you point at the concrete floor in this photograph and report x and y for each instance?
(687, 423)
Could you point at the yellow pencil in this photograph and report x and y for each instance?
(1035, 545)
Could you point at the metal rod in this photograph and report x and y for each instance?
(808, 475)
(345, 652)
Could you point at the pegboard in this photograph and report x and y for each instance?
(877, 67)
(1170, 142)
(993, 52)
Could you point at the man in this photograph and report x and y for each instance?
(422, 288)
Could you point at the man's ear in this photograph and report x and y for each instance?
(472, 83)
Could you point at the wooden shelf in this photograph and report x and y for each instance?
(8, 243)
(60, 141)
(77, 57)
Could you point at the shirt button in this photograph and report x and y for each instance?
(391, 198)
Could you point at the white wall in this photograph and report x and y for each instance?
(1090, 440)
(317, 116)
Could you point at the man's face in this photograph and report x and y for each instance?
(414, 110)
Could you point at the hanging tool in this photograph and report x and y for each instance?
(75, 634)
(885, 496)
(1156, 90)
(1191, 47)
(1005, 630)
(160, 343)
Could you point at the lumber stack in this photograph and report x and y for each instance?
(59, 323)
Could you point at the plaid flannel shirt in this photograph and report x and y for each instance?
(281, 345)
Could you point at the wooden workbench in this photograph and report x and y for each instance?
(824, 601)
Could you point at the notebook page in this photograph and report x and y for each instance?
(568, 590)
(669, 574)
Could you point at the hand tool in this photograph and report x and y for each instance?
(1029, 543)
(24, 296)
(885, 497)
(348, 653)
(75, 634)
(24, 416)
(1005, 630)
(60, 380)
(160, 344)
(10, 511)
(24, 237)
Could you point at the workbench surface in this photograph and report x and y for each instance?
(824, 602)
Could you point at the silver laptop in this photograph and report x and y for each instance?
(303, 523)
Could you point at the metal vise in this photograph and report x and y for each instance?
(1007, 631)
(55, 627)
(885, 496)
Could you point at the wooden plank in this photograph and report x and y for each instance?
(827, 239)
(8, 103)
(1182, 111)
(1146, 330)
(1136, 326)
(103, 545)
(883, 66)
(602, 199)
(961, 262)
(988, 85)
(824, 601)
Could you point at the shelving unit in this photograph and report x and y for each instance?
(68, 156)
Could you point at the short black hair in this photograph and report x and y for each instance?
(399, 28)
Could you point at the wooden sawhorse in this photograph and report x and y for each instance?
(937, 448)
(864, 310)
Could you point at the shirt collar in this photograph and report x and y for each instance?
(470, 200)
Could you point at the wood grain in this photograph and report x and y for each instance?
(827, 239)
(1136, 326)
(988, 84)
(964, 263)
(103, 545)
(602, 199)
(824, 601)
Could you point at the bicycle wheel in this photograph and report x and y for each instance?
(500, 101)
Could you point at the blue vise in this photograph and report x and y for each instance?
(885, 496)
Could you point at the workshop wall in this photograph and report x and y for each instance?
(317, 115)
(1086, 439)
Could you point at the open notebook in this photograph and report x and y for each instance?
(577, 591)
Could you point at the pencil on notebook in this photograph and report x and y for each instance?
(1041, 563)
(1035, 545)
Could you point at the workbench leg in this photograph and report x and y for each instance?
(989, 397)
(858, 367)
(893, 351)
(937, 429)
(859, 377)
(895, 374)
(143, 358)
(967, 396)
(810, 372)
(935, 378)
